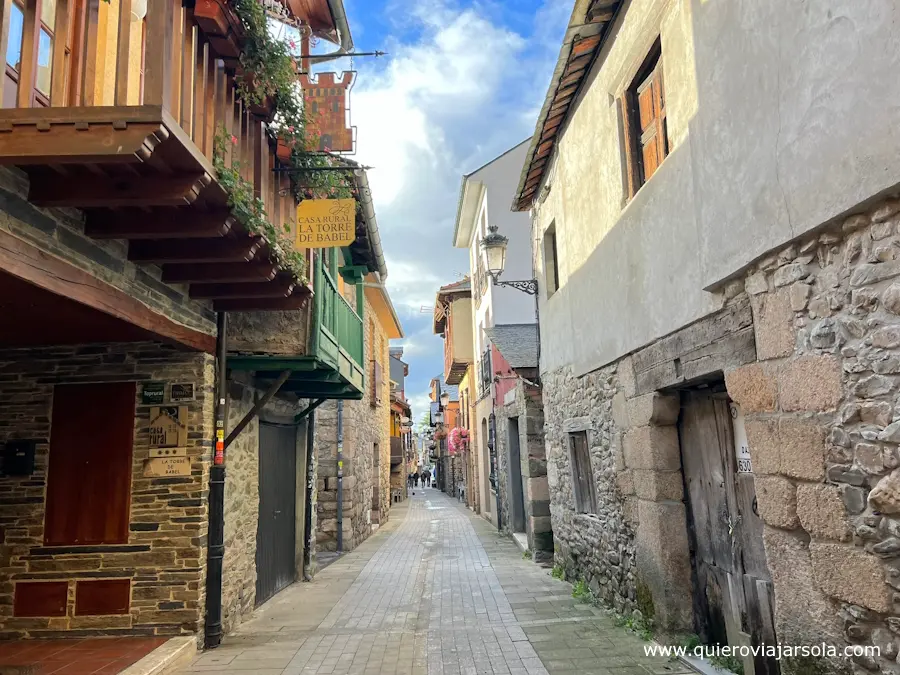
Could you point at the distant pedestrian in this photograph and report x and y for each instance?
(410, 481)
(426, 478)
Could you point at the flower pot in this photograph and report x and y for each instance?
(283, 151)
(265, 110)
(220, 25)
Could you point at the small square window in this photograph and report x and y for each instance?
(582, 476)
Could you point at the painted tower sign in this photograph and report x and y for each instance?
(327, 101)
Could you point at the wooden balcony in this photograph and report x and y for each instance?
(127, 131)
(397, 450)
(323, 349)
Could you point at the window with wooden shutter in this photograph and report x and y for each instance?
(646, 139)
(582, 476)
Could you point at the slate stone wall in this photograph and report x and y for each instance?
(165, 556)
(60, 232)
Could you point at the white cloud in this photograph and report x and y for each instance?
(462, 90)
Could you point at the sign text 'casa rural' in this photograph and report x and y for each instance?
(326, 223)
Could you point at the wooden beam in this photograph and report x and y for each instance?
(221, 273)
(123, 58)
(58, 95)
(29, 263)
(271, 289)
(88, 84)
(159, 224)
(65, 144)
(119, 191)
(161, 251)
(158, 62)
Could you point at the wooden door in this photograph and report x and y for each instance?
(733, 595)
(276, 531)
(89, 473)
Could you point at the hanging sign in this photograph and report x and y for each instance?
(168, 426)
(741, 445)
(327, 103)
(326, 223)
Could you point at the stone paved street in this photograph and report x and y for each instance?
(435, 591)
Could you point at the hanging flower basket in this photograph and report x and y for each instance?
(260, 106)
(459, 440)
(440, 434)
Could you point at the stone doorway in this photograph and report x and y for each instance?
(733, 597)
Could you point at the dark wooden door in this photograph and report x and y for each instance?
(276, 532)
(89, 473)
(516, 496)
(733, 595)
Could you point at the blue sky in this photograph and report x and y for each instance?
(463, 82)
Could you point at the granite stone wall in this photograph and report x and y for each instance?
(526, 406)
(808, 343)
(822, 423)
(366, 426)
(165, 556)
(600, 547)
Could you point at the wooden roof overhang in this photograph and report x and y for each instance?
(140, 177)
(456, 372)
(588, 29)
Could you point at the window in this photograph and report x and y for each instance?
(89, 473)
(39, 20)
(551, 264)
(644, 108)
(582, 476)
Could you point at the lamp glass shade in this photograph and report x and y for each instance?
(138, 10)
(494, 248)
(439, 418)
(445, 399)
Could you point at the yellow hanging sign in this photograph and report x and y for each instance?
(326, 223)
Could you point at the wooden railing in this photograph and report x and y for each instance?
(339, 319)
(104, 56)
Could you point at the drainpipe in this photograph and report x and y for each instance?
(310, 485)
(216, 533)
(340, 476)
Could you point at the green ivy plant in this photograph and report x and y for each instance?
(269, 72)
(250, 210)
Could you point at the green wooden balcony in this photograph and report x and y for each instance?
(332, 344)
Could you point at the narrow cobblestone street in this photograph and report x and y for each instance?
(436, 591)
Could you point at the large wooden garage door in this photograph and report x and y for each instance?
(275, 538)
(733, 595)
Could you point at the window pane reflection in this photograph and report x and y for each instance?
(45, 57)
(16, 28)
(48, 14)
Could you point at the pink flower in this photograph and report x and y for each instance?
(292, 44)
(234, 140)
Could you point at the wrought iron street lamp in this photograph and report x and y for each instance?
(445, 399)
(494, 247)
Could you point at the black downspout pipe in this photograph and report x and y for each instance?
(310, 485)
(216, 536)
(340, 476)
